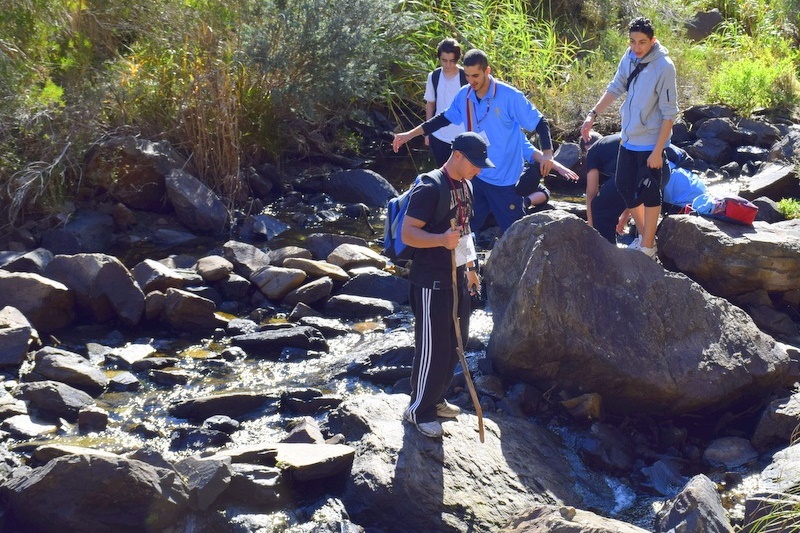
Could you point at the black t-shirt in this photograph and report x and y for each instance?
(432, 267)
(603, 156)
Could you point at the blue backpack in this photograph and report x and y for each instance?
(393, 246)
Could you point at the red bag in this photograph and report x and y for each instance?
(730, 208)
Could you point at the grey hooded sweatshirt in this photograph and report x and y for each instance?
(652, 96)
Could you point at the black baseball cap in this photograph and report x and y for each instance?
(473, 147)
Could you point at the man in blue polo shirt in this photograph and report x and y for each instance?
(498, 113)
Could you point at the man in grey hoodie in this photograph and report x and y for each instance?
(647, 75)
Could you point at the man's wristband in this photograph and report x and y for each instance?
(593, 113)
(470, 269)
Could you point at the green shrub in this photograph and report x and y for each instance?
(789, 208)
(751, 83)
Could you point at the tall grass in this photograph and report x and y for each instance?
(524, 48)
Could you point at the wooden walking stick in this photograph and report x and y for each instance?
(460, 346)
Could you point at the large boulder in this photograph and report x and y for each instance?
(196, 206)
(104, 288)
(360, 185)
(133, 170)
(731, 259)
(574, 311)
(96, 493)
(67, 367)
(48, 304)
(415, 483)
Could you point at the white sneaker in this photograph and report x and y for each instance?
(652, 253)
(636, 244)
(447, 410)
(429, 429)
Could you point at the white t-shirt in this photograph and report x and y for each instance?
(446, 92)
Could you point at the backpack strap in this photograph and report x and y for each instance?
(437, 73)
(443, 205)
(636, 70)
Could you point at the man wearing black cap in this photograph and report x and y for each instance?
(431, 277)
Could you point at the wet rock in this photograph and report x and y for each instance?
(92, 419)
(48, 452)
(605, 289)
(17, 336)
(374, 283)
(729, 453)
(136, 497)
(214, 268)
(777, 424)
(309, 293)
(169, 377)
(154, 363)
(33, 262)
(126, 356)
(565, 519)
(328, 327)
(773, 491)
(257, 485)
(360, 185)
(222, 423)
(187, 312)
(350, 256)
(724, 129)
(67, 367)
(317, 269)
(276, 282)
(270, 343)
(322, 244)
(696, 509)
(664, 476)
(305, 430)
(205, 479)
(232, 404)
(358, 307)
(736, 259)
(104, 289)
(606, 448)
(182, 439)
(54, 398)
(196, 206)
(155, 276)
(262, 227)
(47, 304)
(307, 402)
(22, 426)
(246, 258)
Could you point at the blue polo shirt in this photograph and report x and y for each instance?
(501, 115)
